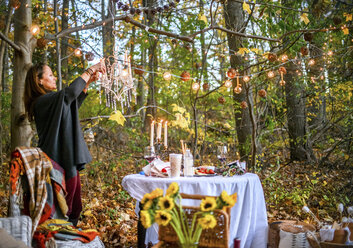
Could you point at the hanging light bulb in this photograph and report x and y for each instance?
(237, 89)
(284, 57)
(124, 72)
(246, 78)
(330, 53)
(270, 74)
(78, 52)
(195, 86)
(282, 82)
(228, 83)
(35, 29)
(167, 76)
(311, 62)
(322, 77)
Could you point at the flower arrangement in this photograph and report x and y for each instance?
(167, 209)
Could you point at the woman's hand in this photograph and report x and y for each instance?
(99, 67)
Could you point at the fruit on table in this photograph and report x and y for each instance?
(204, 171)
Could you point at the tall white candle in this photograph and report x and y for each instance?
(152, 133)
(165, 134)
(159, 131)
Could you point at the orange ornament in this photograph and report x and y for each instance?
(231, 73)
(243, 104)
(272, 57)
(282, 69)
(221, 100)
(185, 76)
(304, 50)
(262, 93)
(205, 86)
(42, 42)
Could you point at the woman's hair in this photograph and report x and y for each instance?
(33, 88)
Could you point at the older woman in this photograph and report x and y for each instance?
(56, 118)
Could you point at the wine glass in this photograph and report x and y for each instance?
(149, 153)
(222, 154)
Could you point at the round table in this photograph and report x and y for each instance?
(248, 216)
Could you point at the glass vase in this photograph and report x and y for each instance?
(188, 244)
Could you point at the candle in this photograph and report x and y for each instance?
(159, 131)
(165, 134)
(152, 133)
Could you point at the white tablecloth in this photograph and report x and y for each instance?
(248, 216)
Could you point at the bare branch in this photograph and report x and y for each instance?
(233, 32)
(10, 42)
(272, 5)
(311, 31)
(127, 19)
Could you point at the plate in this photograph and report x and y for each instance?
(206, 175)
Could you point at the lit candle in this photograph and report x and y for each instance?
(152, 133)
(165, 134)
(159, 131)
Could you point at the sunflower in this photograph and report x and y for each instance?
(156, 193)
(147, 205)
(208, 204)
(207, 221)
(146, 219)
(235, 197)
(166, 203)
(172, 189)
(145, 198)
(226, 199)
(162, 217)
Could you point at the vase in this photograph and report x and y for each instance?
(188, 244)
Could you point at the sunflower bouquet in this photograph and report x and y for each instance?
(167, 210)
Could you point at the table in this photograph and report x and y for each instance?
(248, 216)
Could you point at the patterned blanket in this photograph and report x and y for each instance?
(46, 184)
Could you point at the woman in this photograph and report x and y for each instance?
(56, 118)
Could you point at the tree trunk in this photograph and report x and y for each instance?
(152, 59)
(296, 117)
(234, 18)
(108, 37)
(64, 42)
(317, 105)
(58, 50)
(21, 131)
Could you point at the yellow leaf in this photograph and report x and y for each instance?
(203, 18)
(348, 17)
(118, 117)
(345, 31)
(243, 50)
(255, 50)
(324, 183)
(246, 7)
(88, 213)
(304, 18)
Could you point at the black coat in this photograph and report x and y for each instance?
(58, 127)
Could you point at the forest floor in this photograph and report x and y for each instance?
(287, 187)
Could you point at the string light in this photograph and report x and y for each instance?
(124, 73)
(330, 53)
(167, 76)
(270, 74)
(311, 62)
(237, 89)
(246, 79)
(284, 57)
(195, 86)
(78, 52)
(228, 83)
(35, 29)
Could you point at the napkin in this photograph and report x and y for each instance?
(157, 168)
